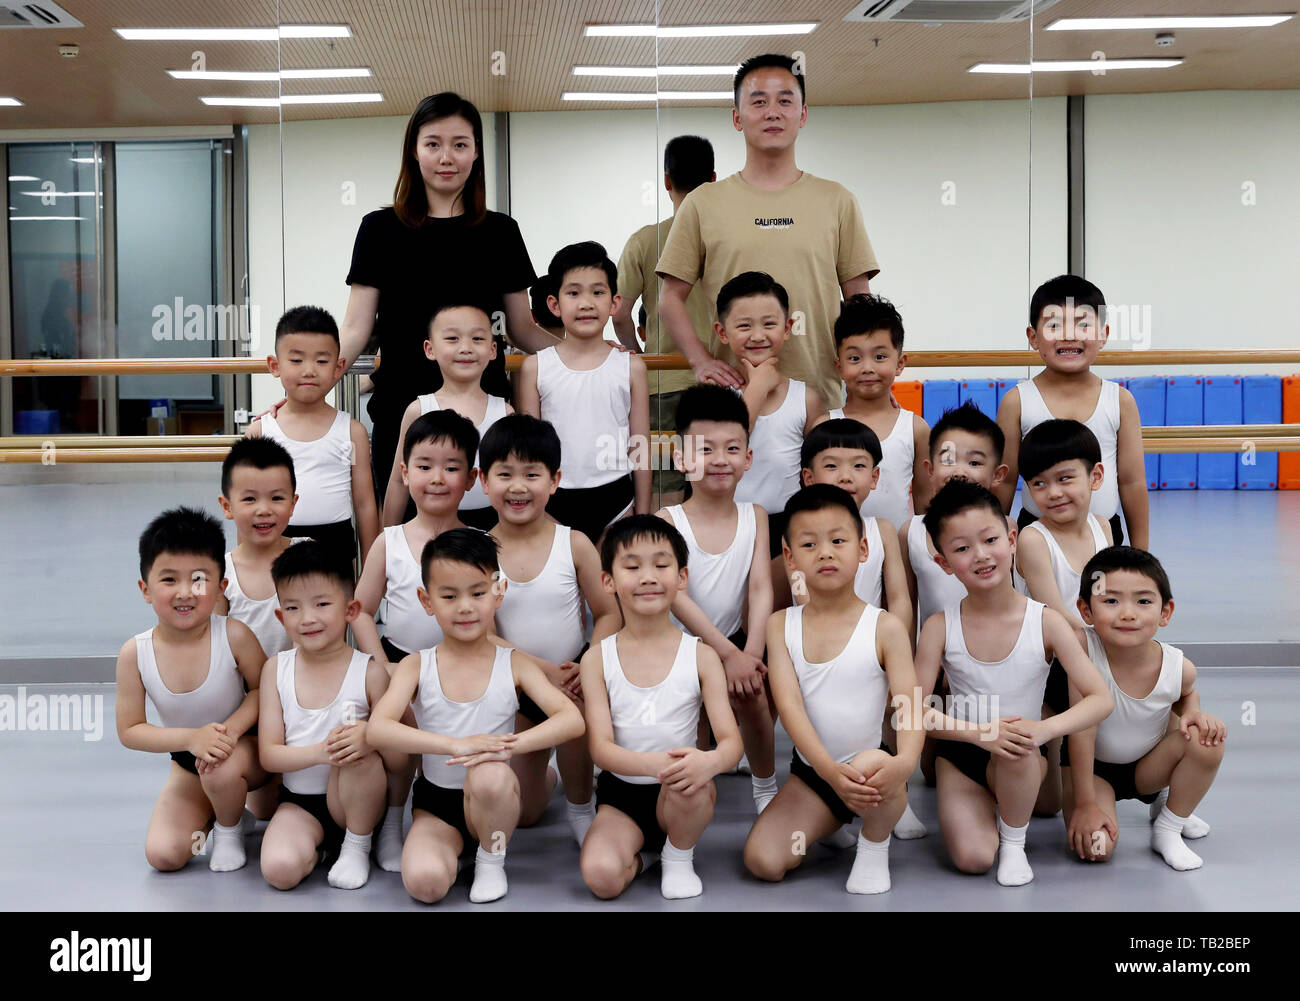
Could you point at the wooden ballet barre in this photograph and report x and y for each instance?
(50, 367)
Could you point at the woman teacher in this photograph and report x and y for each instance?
(436, 244)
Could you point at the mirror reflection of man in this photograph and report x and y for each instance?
(805, 231)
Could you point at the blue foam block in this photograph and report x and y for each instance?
(1261, 404)
(938, 395)
(984, 392)
(1149, 393)
(1184, 404)
(1221, 405)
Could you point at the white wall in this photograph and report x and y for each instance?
(1167, 227)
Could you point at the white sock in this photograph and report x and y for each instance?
(489, 876)
(227, 844)
(1167, 842)
(909, 825)
(352, 869)
(388, 852)
(764, 791)
(553, 764)
(742, 766)
(870, 873)
(677, 878)
(841, 839)
(1013, 866)
(1193, 827)
(580, 817)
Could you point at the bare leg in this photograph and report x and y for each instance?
(180, 821)
(609, 853)
(289, 846)
(780, 837)
(430, 857)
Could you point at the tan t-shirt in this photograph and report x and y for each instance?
(809, 236)
(637, 279)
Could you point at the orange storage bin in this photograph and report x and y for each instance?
(1288, 463)
(908, 395)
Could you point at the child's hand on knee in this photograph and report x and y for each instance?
(889, 778)
(469, 751)
(852, 787)
(1212, 730)
(744, 673)
(1007, 737)
(347, 743)
(211, 743)
(689, 771)
(1082, 833)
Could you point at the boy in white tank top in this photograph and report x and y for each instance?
(1068, 330)
(331, 451)
(754, 322)
(729, 593)
(594, 394)
(194, 666)
(869, 356)
(313, 728)
(466, 693)
(836, 665)
(1157, 737)
(548, 574)
(995, 646)
(460, 341)
(1061, 465)
(845, 453)
(644, 687)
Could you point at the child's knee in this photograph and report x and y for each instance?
(282, 868)
(767, 861)
(974, 859)
(1200, 753)
(492, 781)
(604, 873)
(168, 855)
(705, 795)
(427, 880)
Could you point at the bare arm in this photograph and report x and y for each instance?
(275, 755)
(606, 754)
(910, 575)
(921, 492)
(1095, 702)
(760, 595)
(1009, 422)
(396, 495)
(897, 597)
(563, 720)
(639, 429)
(370, 589)
(528, 400)
(249, 660)
(624, 327)
(363, 489)
(677, 321)
(521, 329)
(358, 322)
(1132, 473)
(814, 409)
(855, 285)
(606, 617)
(1034, 564)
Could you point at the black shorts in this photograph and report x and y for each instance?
(971, 760)
(391, 651)
(1122, 778)
(590, 509)
(482, 518)
(339, 538)
(1024, 518)
(318, 807)
(1056, 696)
(448, 805)
(775, 529)
(529, 709)
(808, 776)
(640, 801)
(186, 760)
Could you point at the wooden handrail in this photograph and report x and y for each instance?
(51, 367)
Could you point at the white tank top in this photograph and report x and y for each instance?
(323, 470)
(718, 582)
(1067, 578)
(1135, 725)
(892, 498)
(258, 615)
(305, 727)
(776, 440)
(475, 498)
(219, 694)
(935, 589)
(653, 720)
(492, 712)
(1104, 423)
(869, 581)
(406, 624)
(590, 412)
(1013, 686)
(846, 696)
(543, 616)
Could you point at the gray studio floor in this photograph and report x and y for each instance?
(75, 813)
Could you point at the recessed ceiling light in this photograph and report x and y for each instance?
(23, 177)
(324, 74)
(663, 95)
(651, 71)
(241, 102)
(235, 34)
(46, 218)
(1169, 22)
(251, 75)
(81, 159)
(1075, 65)
(273, 102)
(10, 102)
(698, 30)
(59, 194)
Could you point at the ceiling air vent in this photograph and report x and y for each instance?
(947, 11)
(35, 14)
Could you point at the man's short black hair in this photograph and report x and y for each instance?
(1055, 441)
(526, 438)
(1062, 289)
(769, 60)
(442, 426)
(749, 283)
(259, 453)
(185, 531)
(821, 497)
(1114, 558)
(587, 254)
(864, 313)
(688, 162)
(703, 402)
(310, 558)
(461, 545)
(839, 432)
(627, 531)
(969, 418)
(307, 320)
(954, 497)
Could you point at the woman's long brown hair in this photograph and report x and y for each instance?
(409, 198)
